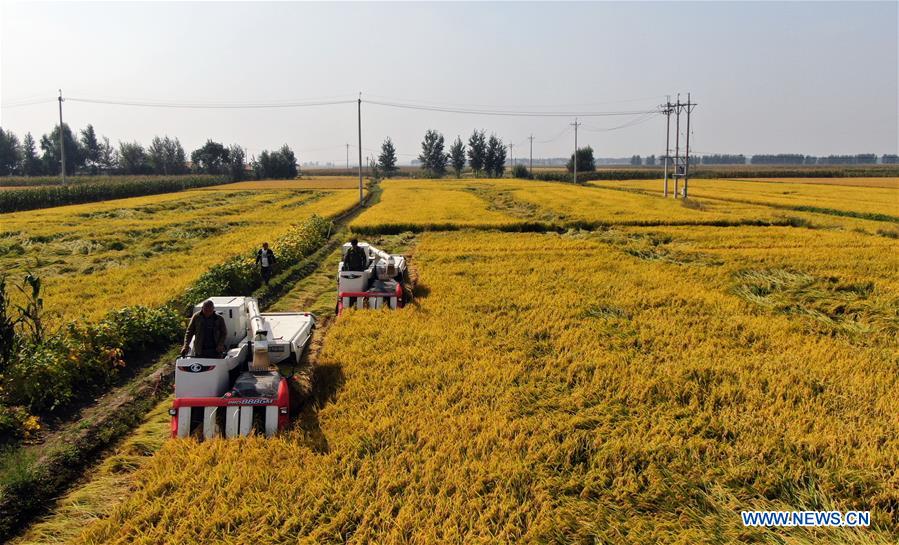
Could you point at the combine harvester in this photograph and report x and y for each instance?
(379, 283)
(243, 389)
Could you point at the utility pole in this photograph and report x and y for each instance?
(667, 111)
(687, 153)
(512, 153)
(347, 155)
(359, 118)
(62, 146)
(575, 125)
(677, 171)
(531, 162)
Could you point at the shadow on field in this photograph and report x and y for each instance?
(420, 290)
(326, 380)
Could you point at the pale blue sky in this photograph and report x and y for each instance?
(803, 77)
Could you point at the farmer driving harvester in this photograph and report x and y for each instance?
(208, 331)
(355, 258)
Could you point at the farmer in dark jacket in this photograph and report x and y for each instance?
(208, 331)
(355, 258)
(265, 259)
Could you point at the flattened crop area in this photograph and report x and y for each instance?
(96, 257)
(867, 198)
(633, 384)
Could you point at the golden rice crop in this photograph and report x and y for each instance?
(428, 204)
(890, 183)
(315, 182)
(593, 204)
(145, 250)
(638, 384)
(855, 199)
(422, 205)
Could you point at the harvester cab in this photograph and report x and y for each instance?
(379, 283)
(243, 389)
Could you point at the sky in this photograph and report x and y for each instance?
(816, 78)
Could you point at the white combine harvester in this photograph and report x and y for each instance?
(379, 283)
(242, 390)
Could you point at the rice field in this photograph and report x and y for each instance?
(319, 182)
(888, 183)
(862, 200)
(522, 400)
(99, 256)
(521, 205)
(640, 373)
(429, 204)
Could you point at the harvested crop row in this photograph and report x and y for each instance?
(615, 389)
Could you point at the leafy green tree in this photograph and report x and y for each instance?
(237, 165)
(585, 161)
(477, 151)
(387, 159)
(280, 164)
(495, 157)
(651, 161)
(10, 153)
(166, 156)
(374, 168)
(457, 156)
(288, 165)
(91, 147)
(636, 161)
(432, 157)
(31, 163)
(109, 157)
(133, 159)
(52, 157)
(212, 158)
(521, 171)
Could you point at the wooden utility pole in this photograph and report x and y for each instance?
(677, 171)
(667, 111)
(689, 107)
(62, 143)
(359, 118)
(531, 161)
(575, 125)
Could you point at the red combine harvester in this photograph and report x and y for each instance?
(241, 390)
(379, 283)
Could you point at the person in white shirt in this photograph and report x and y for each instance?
(265, 260)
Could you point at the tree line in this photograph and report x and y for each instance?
(88, 153)
(485, 156)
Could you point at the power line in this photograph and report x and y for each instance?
(630, 123)
(26, 102)
(491, 106)
(556, 137)
(211, 106)
(510, 113)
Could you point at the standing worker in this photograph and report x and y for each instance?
(208, 331)
(265, 258)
